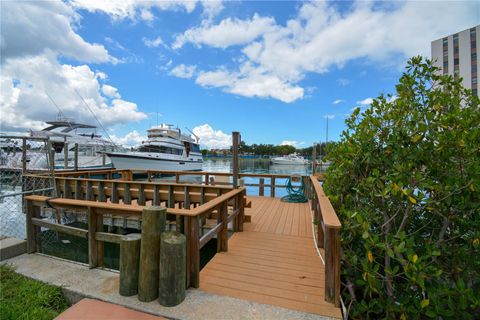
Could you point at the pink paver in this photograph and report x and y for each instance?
(95, 309)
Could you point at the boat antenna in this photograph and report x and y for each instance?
(91, 111)
(196, 137)
(60, 111)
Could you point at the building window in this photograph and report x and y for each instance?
(456, 60)
(473, 59)
(445, 55)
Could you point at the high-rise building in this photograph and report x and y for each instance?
(457, 55)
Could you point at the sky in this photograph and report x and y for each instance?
(276, 71)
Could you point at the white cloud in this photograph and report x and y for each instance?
(338, 101)
(27, 81)
(146, 14)
(227, 33)
(183, 71)
(131, 139)
(110, 92)
(212, 139)
(30, 28)
(251, 82)
(321, 37)
(292, 143)
(153, 43)
(365, 102)
(131, 9)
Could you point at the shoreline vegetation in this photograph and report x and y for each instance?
(405, 183)
(268, 150)
(24, 298)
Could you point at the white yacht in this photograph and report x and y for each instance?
(166, 149)
(290, 159)
(65, 133)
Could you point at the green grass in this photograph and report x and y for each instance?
(23, 298)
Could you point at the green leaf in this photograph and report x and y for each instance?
(425, 303)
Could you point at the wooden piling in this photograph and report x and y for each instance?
(172, 269)
(129, 264)
(235, 146)
(153, 224)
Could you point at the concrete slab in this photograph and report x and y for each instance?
(12, 247)
(98, 310)
(103, 285)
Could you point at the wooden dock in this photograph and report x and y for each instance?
(270, 258)
(273, 261)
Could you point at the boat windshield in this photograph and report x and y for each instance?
(160, 149)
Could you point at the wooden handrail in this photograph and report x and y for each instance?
(329, 217)
(328, 235)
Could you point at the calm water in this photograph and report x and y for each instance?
(252, 166)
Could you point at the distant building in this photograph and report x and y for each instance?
(457, 55)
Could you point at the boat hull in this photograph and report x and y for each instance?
(125, 162)
(289, 162)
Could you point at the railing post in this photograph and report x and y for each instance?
(261, 187)
(332, 266)
(92, 242)
(65, 155)
(207, 177)
(272, 186)
(100, 244)
(78, 189)
(193, 252)
(177, 177)
(222, 237)
(141, 195)
(127, 197)
(75, 159)
(33, 232)
(101, 192)
(114, 194)
(156, 195)
(320, 231)
(89, 193)
(241, 213)
(24, 155)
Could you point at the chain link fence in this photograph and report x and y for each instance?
(20, 157)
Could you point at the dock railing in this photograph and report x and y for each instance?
(267, 184)
(188, 219)
(328, 239)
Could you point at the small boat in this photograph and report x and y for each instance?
(165, 149)
(293, 158)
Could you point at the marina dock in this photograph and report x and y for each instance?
(267, 251)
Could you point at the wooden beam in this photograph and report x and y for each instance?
(210, 234)
(82, 233)
(108, 237)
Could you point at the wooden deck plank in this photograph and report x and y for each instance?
(274, 261)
